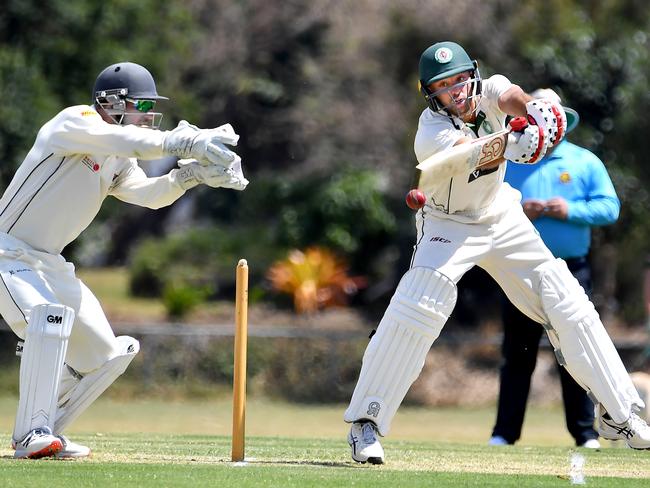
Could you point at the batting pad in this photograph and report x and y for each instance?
(46, 342)
(93, 384)
(395, 355)
(585, 348)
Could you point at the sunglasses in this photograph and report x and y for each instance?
(143, 105)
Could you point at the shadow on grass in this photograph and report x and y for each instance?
(280, 462)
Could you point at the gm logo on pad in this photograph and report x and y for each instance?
(54, 319)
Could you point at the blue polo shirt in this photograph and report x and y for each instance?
(578, 176)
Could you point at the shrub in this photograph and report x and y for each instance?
(348, 214)
(315, 278)
(311, 370)
(200, 259)
(179, 300)
(345, 209)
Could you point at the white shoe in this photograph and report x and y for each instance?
(71, 450)
(497, 440)
(38, 443)
(591, 444)
(634, 431)
(364, 443)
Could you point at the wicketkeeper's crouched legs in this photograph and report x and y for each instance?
(78, 392)
(423, 301)
(582, 344)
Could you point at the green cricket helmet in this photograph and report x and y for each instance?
(442, 60)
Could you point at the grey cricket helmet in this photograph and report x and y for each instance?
(136, 80)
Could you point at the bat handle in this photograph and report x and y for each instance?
(518, 124)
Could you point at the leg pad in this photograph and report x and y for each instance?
(582, 343)
(42, 357)
(394, 358)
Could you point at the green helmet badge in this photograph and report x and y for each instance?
(443, 55)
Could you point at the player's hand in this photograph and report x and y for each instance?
(191, 172)
(493, 164)
(550, 117)
(525, 142)
(557, 208)
(206, 145)
(533, 208)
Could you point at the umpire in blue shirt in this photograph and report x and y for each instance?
(564, 195)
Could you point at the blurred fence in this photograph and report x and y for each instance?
(308, 364)
(199, 332)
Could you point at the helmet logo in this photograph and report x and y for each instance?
(443, 55)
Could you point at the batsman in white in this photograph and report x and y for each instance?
(476, 219)
(70, 354)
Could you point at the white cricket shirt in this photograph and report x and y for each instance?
(78, 159)
(480, 194)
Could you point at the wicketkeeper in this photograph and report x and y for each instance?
(476, 219)
(70, 354)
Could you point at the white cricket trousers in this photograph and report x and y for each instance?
(31, 278)
(508, 248)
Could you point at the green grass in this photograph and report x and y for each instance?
(544, 427)
(186, 460)
(173, 443)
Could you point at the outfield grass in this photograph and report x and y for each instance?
(544, 427)
(145, 460)
(161, 443)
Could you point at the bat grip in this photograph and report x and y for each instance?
(518, 124)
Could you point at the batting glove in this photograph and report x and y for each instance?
(525, 142)
(550, 117)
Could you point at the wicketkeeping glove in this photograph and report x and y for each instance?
(188, 141)
(191, 172)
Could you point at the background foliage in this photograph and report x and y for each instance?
(324, 96)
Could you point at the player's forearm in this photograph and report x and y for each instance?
(150, 192)
(513, 101)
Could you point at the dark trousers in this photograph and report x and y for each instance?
(521, 337)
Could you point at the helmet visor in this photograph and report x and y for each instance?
(143, 105)
(462, 98)
(121, 109)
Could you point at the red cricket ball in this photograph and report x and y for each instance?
(415, 199)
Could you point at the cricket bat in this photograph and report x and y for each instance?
(465, 158)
